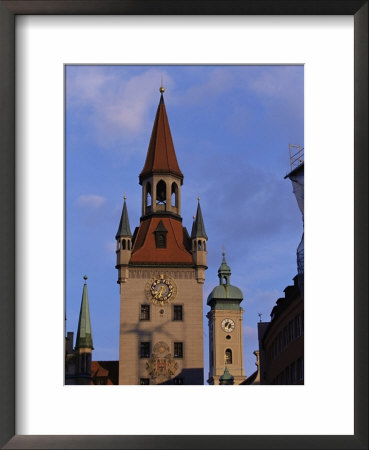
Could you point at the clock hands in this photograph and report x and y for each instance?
(159, 293)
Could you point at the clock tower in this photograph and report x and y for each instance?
(161, 271)
(225, 329)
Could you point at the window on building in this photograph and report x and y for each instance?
(144, 349)
(148, 194)
(144, 381)
(178, 349)
(228, 356)
(174, 196)
(178, 381)
(290, 328)
(161, 236)
(280, 342)
(177, 312)
(293, 373)
(161, 192)
(300, 369)
(145, 312)
(298, 325)
(285, 336)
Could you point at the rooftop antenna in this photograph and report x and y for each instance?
(259, 314)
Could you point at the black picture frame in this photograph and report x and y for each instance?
(8, 11)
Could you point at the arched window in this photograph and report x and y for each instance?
(198, 245)
(228, 356)
(128, 244)
(124, 244)
(224, 280)
(161, 192)
(148, 194)
(205, 246)
(174, 195)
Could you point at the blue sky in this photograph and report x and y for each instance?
(231, 126)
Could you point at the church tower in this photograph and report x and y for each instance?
(161, 271)
(78, 361)
(225, 330)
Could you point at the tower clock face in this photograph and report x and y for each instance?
(161, 291)
(228, 325)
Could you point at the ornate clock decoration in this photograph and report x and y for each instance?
(227, 325)
(161, 290)
(161, 365)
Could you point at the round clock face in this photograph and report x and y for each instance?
(161, 291)
(228, 325)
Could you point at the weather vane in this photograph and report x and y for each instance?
(259, 314)
(161, 89)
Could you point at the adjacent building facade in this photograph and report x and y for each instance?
(280, 358)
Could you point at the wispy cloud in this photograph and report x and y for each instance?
(115, 105)
(90, 201)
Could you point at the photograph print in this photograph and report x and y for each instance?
(184, 224)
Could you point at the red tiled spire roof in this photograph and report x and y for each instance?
(161, 156)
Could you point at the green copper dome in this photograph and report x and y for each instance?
(226, 378)
(225, 296)
(225, 292)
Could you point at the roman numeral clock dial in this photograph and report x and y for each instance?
(228, 325)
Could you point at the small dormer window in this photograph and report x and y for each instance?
(161, 241)
(161, 236)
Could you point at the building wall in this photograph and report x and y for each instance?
(161, 327)
(283, 345)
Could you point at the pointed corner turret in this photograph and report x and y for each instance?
(199, 238)
(84, 343)
(124, 230)
(198, 227)
(124, 245)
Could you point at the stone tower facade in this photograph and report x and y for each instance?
(225, 330)
(161, 271)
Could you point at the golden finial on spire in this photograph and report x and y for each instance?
(198, 198)
(161, 89)
(125, 197)
(85, 277)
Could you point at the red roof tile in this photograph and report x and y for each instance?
(145, 251)
(161, 156)
(105, 369)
